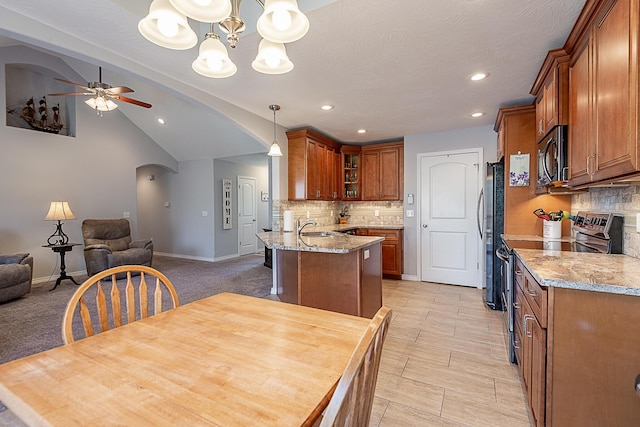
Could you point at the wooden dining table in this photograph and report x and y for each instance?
(226, 360)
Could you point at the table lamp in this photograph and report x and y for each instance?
(57, 212)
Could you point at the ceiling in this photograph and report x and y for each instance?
(393, 68)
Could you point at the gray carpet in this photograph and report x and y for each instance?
(32, 324)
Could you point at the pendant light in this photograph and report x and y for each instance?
(213, 59)
(167, 27)
(275, 150)
(282, 21)
(272, 58)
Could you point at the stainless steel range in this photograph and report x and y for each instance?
(596, 232)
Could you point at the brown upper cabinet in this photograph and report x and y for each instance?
(313, 166)
(603, 93)
(322, 169)
(383, 171)
(551, 90)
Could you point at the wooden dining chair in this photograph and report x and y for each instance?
(108, 310)
(350, 405)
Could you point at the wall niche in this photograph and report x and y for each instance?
(28, 103)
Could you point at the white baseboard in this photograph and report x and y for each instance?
(195, 258)
(41, 280)
(410, 277)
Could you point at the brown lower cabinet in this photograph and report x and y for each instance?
(392, 250)
(578, 352)
(347, 283)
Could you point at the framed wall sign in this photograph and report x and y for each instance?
(227, 222)
(519, 170)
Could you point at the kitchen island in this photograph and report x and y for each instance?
(577, 335)
(328, 270)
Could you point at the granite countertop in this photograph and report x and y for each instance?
(618, 274)
(339, 243)
(347, 227)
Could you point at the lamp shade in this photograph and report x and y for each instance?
(59, 211)
(167, 27)
(204, 10)
(272, 58)
(213, 59)
(282, 21)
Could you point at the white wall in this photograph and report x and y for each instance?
(482, 136)
(95, 171)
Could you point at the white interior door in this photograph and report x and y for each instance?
(247, 216)
(449, 239)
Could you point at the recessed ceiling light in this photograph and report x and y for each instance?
(479, 76)
(477, 114)
(161, 121)
(328, 107)
(362, 131)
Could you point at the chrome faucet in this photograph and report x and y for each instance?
(299, 227)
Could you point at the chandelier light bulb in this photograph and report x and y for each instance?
(168, 26)
(203, 10)
(282, 19)
(214, 63)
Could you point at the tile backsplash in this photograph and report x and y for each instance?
(327, 213)
(621, 200)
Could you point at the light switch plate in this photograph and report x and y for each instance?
(366, 254)
(126, 214)
(410, 213)
(205, 213)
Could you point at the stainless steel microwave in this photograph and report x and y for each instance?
(552, 157)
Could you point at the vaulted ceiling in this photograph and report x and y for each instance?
(394, 68)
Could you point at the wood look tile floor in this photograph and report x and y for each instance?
(444, 361)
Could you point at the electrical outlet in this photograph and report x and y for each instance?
(410, 213)
(205, 213)
(308, 215)
(376, 212)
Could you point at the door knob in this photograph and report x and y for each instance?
(424, 225)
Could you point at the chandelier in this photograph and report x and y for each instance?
(281, 22)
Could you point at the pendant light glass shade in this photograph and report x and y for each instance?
(213, 59)
(272, 58)
(101, 104)
(203, 10)
(167, 27)
(275, 150)
(282, 21)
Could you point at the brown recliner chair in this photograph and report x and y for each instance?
(107, 243)
(16, 273)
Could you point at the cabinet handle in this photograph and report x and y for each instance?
(516, 306)
(531, 293)
(516, 344)
(518, 273)
(540, 129)
(526, 318)
(638, 385)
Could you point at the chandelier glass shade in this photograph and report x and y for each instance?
(167, 27)
(272, 58)
(213, 59)
(281, 22)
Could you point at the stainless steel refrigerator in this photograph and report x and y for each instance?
(494, 227)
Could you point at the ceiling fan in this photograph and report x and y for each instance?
(102, 94)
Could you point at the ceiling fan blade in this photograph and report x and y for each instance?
(119, 89)
(133, 101)
(71, 83)
(70, 94)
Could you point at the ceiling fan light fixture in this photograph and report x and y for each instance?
(203, 10)
(167, 27)
(213, 60)
(272, 58)
(101, 104)
(282, 21)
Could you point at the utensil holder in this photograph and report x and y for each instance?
(551, 229)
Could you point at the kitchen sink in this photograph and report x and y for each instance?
(317, 234)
